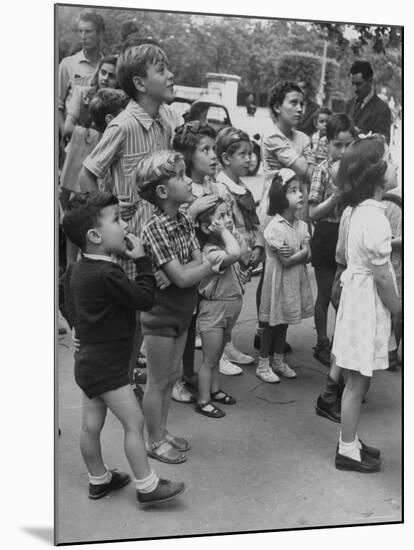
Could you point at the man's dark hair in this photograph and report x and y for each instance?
(363, 67)
(93, 17)
(82, 213)
(339, 123)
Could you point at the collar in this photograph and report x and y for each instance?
(367, 98)
(374, 203)
(82, 57)
(97, 257)
(167, 221)
(231, 185)
(281, 219)
(201, 189)
(142, 116)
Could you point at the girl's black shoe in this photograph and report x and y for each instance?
(367, 465)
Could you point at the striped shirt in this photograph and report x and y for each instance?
(128, 138)
(322, 188)
(166, 239)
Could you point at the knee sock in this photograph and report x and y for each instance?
(100, 480)
(263, 363)
(147, 484)
(351, 450)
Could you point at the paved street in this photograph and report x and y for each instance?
(267, 465)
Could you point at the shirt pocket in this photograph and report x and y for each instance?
(129, 164)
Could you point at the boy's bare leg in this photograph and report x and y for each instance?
(160, 350)
(123, 404)
(213, 345)
(93, 419)
(174, 375)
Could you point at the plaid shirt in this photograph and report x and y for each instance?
(319, 147)
(322, 188)
(166, 239)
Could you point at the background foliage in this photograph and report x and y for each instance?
(259, 51)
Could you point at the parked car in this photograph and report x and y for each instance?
(216, 115)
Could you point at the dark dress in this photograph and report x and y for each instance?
(100, 304)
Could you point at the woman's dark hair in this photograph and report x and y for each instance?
(111, 60)
(82, 213)
(228, 140)
(186, 139)
(205, 217)
(362, 170)
(278, 93)
(277, 196)
(339, 123)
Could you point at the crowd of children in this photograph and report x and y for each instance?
(169, 236)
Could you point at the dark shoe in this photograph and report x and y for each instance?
(331, 411)
(287, 348)
(372, 452)
(118, 480)
(367, 465)
(139, 376)
(165, 490)
(322, 352)
(222, 397)
(208, 409)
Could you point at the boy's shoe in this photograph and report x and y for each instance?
(165, 490)
(118, 480)
(181, 394)
(139, 376)
(322, 352)
(232, 354)
(267, 375)
(285, 371)
(367, 465)
(227, 368)
(329, 410)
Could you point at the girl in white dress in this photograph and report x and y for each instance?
(369, 300)
(286, 296)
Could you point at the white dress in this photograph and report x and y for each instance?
(363, 322)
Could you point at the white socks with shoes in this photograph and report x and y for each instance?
(351, 450)
(100, 480)
(147, 484)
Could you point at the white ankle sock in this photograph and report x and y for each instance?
(147, 484)
(100, 480)
(263, 363)
(278, 359)
(351, 450)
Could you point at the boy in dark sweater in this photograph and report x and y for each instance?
(100, 303)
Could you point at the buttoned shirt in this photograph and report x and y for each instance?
(166, 239)
(74, 70)
(128, 138)
(322, 188)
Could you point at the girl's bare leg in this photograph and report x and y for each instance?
(355, 390)
(213, 345)
(123, 404)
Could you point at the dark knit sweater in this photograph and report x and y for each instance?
(101, 301)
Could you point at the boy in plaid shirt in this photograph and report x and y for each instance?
(169, 240)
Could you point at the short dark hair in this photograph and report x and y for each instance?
(134, 61)
(82, 213)
(279, 91)
(106, 101)
(362, 169)
(93, 17)
(324, 111)
(363, 67)
(228, 140)
(205, 217)
(278, 201)
(339, 123)
(187, 137)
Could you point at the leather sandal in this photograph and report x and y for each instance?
(165, 452)
(224, 398)
(178, 443)
(214, 412)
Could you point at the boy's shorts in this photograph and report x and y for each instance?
(218, 315)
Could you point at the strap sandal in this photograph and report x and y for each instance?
(178, 443)
(165, 452)
(221, 396)
(208, 409)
